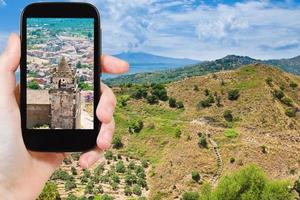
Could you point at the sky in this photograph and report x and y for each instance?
(197, 29)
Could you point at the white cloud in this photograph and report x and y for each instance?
(260, 29)
(2, 3)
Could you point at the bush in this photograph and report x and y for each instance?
(120, 167)
(130, 179)
(152, 99)
(293, 85)
(108, 155)
(196, 176)
(161, 94)
(140, 172)
(115, 178)
(190, 196)
(49, 192)
(86, 173)
(180, 104)
(290, 112)
(206, 92)
(75, 156)
(218, 99)
(71, 197)
(131, 165)
(67, 161)
(139, 93)
(117, 142)
(231, 133)
(264, 149)
(62, 175)
(89, 188)
(172, 102)
(279, 94)
(287, 101)
(232, 160)
(269, 81)
(178, 133)
(137, 190)
(233, 94)
(297, 186)
(228, 115)
(127, 191)
(70, 184)
(73, 171)
(196, 88)
(33, 85)
(99, 170)
(145, 163)
(202, 141)
(136, 126)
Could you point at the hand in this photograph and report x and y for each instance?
(23, 173)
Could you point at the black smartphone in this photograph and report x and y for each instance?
(60, 76)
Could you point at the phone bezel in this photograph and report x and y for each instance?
(63, 140)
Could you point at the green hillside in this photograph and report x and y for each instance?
(192, 134)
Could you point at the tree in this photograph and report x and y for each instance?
(139, 93)
(117, 142)
(108, 155)
(233, 94)
(228, 115)
(202, 141)
(180, 104)
(190, 196)
(70, 184)
(49, 192)
(120, 167)
(33, 85)
(172, 102)
(137, 190)
(196, 176)
(152, 99)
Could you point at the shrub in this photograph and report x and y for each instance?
(86, 173)
(180, 104)
(152, 99)
(67, 161)
(297, 186)
(131, 165)
(140, 172)
(160, 93)
(49, 192)
(71, 197)
(62, 175)
(218, 99)
(115, 178)
(290, 112)
(287, 101)
(89, 188)
(139, 93)
(33, 85)
(99, 170)
(136, 126)
(231, 133)
(206, 92)
(264, 149)
(120, 167)
(106, 197)
(75, 156)
(202, 141)
(114, 186)
(73, 171)
(293, 85)
(127, 191)
(233, 94)
(232, 160)
(279, 94)
(178, 133)
(137, 190)
(172, 102)
(196, 88)
(196, 176)
(145, 163)
(117, 142)
(108, 155)
(228, 115)
(70, 184)
(269, 81)
(190, 196)
(203, 104)
(130, 179)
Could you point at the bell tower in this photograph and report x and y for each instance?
(64, 97)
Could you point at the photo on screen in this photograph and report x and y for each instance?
(60, 73)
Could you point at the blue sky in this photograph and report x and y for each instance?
(202, 30)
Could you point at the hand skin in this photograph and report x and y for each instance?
(23, 173)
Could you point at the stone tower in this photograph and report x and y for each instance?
(64, 97)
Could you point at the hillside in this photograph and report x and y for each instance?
(230, 119)
(229, 62)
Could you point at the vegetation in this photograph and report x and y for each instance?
(231, 133)
(202, 141)
(233, 94)
(108, 155)
(136, 126)
(190, 196)
(33, 85)
(172, 102)
(49, 192)
(196, 176)
(117, 142)
(228, 115)
(290, 112)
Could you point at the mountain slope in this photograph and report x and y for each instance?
(227, 63)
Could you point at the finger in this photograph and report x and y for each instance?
(10, 58)
(104, 140)
(9, 61)
(107, 104)
(113, 65)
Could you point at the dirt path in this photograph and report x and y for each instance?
(216, 151)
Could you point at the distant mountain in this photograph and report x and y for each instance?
(136, 58)
(229, 62)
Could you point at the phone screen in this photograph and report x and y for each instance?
(60, 73)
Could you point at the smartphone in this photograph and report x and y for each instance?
(60, 76)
